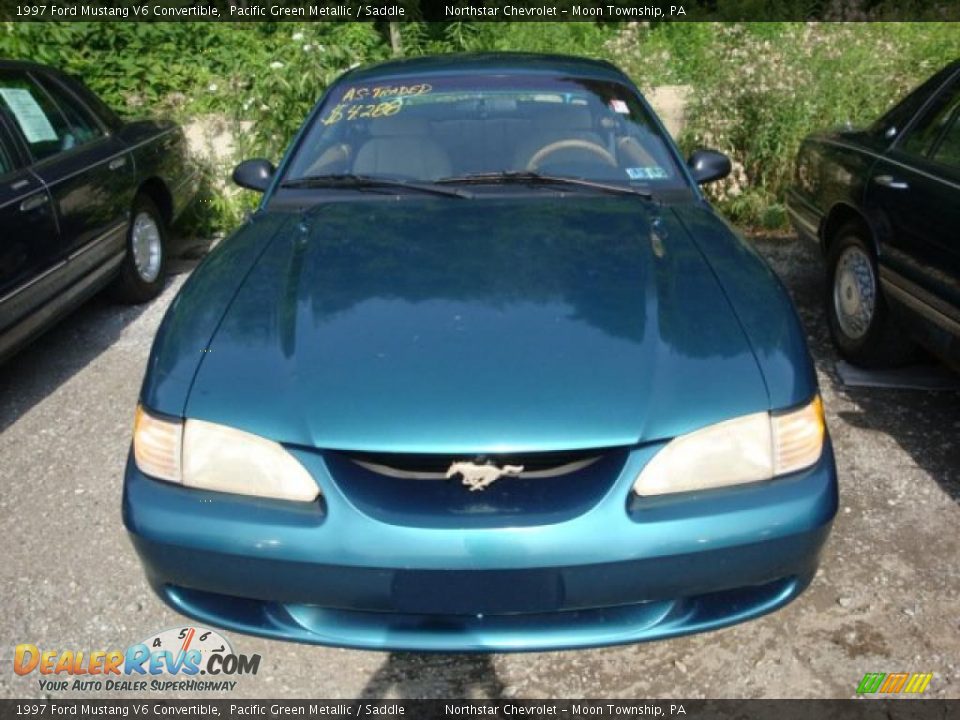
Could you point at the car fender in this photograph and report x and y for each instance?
(762, 306)
(162, 165)
(184, 335)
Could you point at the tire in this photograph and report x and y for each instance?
(144, 265)
(861, 325)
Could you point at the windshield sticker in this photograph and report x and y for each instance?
(648, 172)
(619, 106)
(30, 116)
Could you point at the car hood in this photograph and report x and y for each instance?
(494, 325)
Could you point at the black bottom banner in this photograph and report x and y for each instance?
(428, 709)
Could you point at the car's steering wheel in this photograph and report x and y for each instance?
(570, 144)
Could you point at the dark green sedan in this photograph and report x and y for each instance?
(883, 203)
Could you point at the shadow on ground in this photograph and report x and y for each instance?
(77, 339)
(925, 424)
(417, 675)
(56, 356)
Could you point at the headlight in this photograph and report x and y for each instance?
(156, 446)
(744, 450)
(204, 455)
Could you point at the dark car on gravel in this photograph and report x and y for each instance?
(884, 205)
(85, 199)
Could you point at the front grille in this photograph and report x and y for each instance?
(413, 489)
(435, 467)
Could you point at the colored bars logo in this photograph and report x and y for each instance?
(914, 683)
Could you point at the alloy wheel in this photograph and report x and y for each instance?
(147, 247)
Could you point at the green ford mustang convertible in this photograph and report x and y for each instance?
(484, 371)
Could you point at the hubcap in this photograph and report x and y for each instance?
(854, 293)
(147, 247)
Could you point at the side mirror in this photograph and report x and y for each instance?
(708, 165)
(254, 174)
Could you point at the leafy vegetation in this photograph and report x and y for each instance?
(756, 89)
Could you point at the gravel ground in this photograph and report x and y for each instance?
(887, 597)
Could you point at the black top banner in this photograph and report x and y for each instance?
(495, 709)
(477, 10)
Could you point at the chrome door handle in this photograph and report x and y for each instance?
(117, 163)
(890, 182)
(34, 201)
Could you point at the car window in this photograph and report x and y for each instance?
(6, 159)
(441, 126)
(85, 128)
(91, 101)
(889, 125)
(928, 127)
(948, 148)
(44, 126)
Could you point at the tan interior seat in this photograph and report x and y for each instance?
(401, 146)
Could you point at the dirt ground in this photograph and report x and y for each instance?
(887, 597)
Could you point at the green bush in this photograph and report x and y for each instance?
(139, 67)
(295, 64)
(757, 89)
(259, 78)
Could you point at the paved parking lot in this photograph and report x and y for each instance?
(887, 597)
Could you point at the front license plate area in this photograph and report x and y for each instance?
(455, 592)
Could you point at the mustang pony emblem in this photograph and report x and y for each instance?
(477, 477)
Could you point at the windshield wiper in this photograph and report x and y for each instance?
(534, 178)
(353, 182)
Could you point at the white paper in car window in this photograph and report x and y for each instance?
(30, 116)
(648, 172)
(619, 106)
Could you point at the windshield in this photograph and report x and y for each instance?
(455, 127)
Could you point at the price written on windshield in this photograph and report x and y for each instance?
(342, 111)
(373, 102)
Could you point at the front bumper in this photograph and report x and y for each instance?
(621, 572)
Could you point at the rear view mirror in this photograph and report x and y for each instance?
(254, 174)
(708, 166)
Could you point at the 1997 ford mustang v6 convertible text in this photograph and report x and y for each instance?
(483, 372)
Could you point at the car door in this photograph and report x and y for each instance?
(30, 264)
(87, 169)
(914, 192)
(945, 161)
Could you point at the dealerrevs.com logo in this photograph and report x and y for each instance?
(184, 659)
